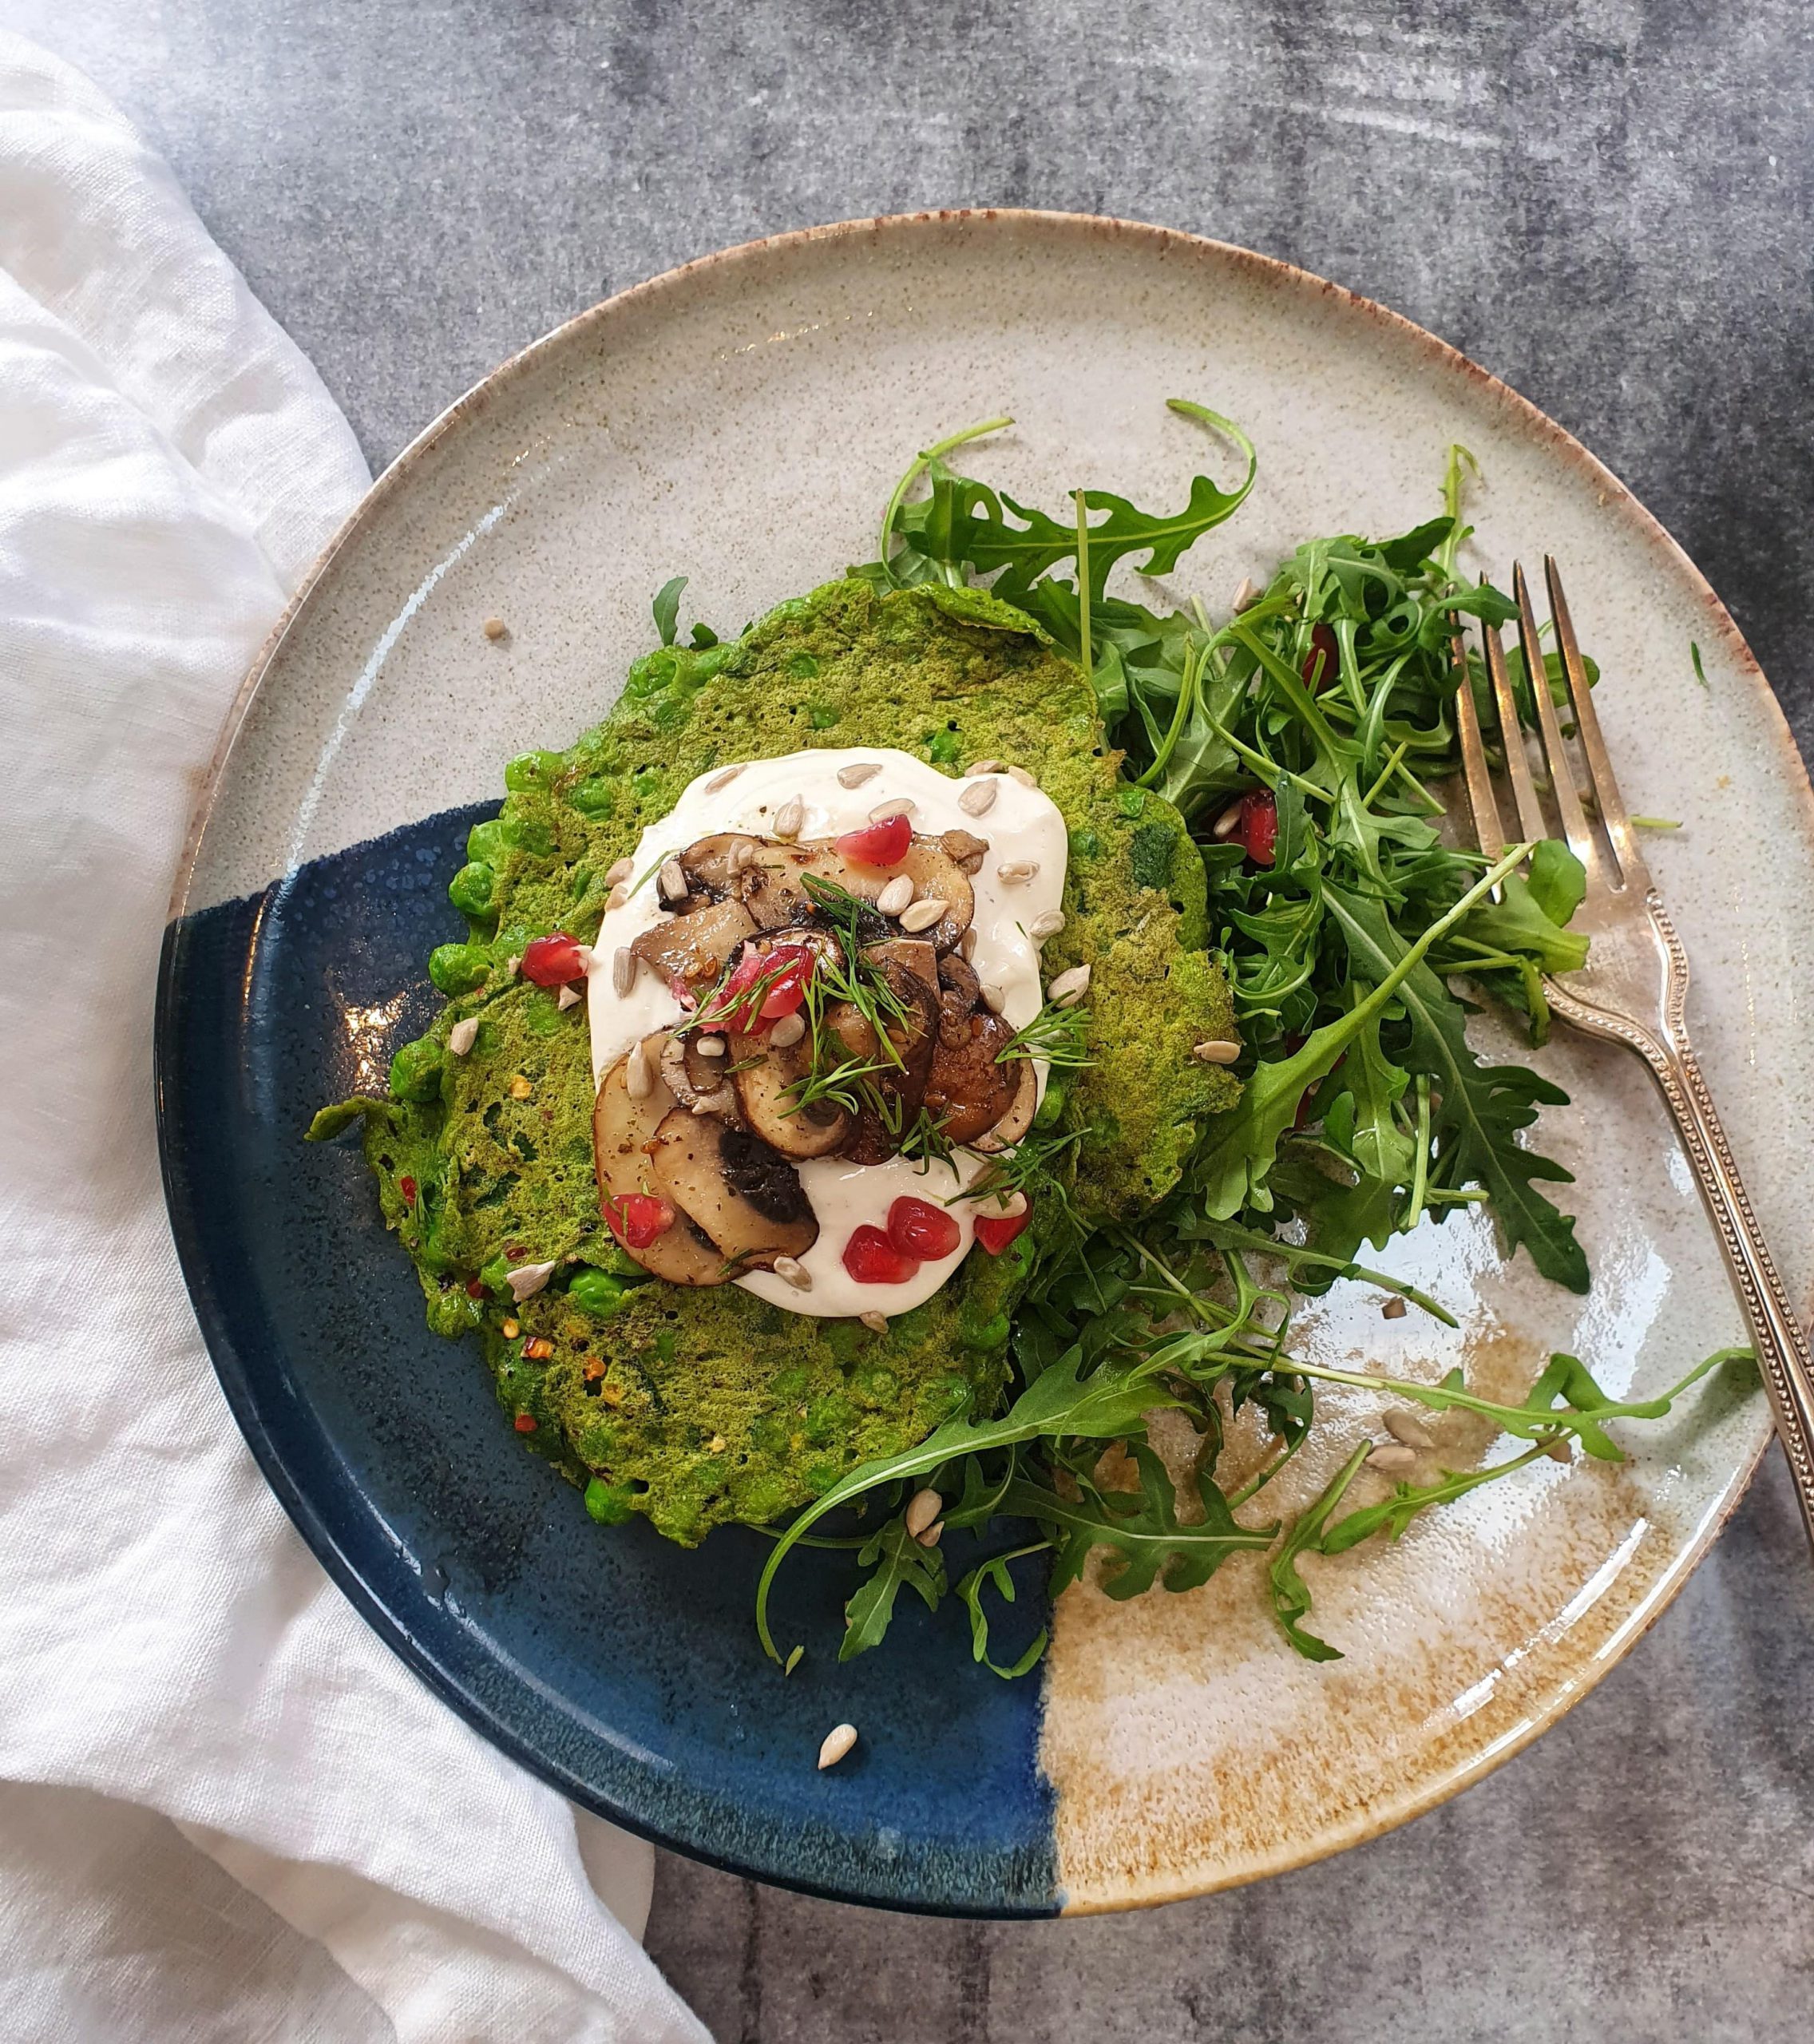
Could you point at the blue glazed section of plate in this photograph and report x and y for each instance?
(622, 1669)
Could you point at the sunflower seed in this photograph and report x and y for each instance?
(791, 1271)
(896, 895)
(860, 771)
(723, 780)
(896, 806)
(1248, 594)
(1069, 988)
(789, 816)
(1561, 1449)
(838, 1741)
(1049, 924)
(625, 966)
(461, 1037)
(1392, 1309)
(1408, 1432)
(786, 1032)
(1019, 773)
(709, 1046)
(618, 896)
(720, 1101)
(527, 1279)
(1229, 822)
(932, 1534)
(1016, 873)
(741, 854)
(1008, 1206)
(1392, 1461)
(980, 767)
(619, 871)
(978, 799)
(672, 884)
(568, 997)
(1218, 1050)
(876, 1322)
(923, 1507)
(639, 1081)
(994, 996)
(923, 914)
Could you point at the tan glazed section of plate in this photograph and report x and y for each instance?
(742, 420)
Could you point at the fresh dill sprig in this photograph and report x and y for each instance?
(1057, 1036)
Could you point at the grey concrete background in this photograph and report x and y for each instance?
(1606, 204)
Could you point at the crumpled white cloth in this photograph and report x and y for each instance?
(177, 1676)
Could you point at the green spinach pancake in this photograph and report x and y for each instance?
(696, 1404)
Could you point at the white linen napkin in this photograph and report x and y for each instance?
(169, 465)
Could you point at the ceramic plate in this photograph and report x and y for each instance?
(741, 421)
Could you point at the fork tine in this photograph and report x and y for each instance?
(1474, 758)
(1574, 824)
(1531, 822)
(1607, 796)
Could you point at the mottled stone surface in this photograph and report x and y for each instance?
(1608, 205)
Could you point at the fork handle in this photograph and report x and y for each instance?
(1776, 1330)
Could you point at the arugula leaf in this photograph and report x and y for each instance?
(1110, 1404)
(1290, 1593)
(994, 1572)
(1481, 1110)
(895, 1559)
(1143, 1531)
(666, 607)
(1230, 1169)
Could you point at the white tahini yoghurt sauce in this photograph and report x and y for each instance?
(1023, 823)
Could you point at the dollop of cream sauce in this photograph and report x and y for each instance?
(1022, 823)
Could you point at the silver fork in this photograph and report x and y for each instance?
(1634, 986)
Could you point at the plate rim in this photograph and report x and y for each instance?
(228, 1365)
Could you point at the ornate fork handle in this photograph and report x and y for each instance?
(1776, 1332)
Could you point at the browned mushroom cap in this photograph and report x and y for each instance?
(875, 1136)
(623, 1128)
(773, 887)
(959, 992)
(936, 875)
(967, 1090)
(696, 945)
(913, 953)
(765, 1078)
(746, 1198)
(700, 1083)
(712, 865)
(1019, 1118)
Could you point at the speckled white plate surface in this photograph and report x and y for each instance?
(742, 420)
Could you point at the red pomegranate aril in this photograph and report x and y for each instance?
(878, 844)
(918, 1228)
(475, 1288)
(636, 1219)
(784, 968)
(406, 1186)
(524, 1422)
(871, 1258)
(554, 960)
(995, 1231)
(1259, 827)
(1323, 658)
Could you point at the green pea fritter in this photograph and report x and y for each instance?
(695, 1407)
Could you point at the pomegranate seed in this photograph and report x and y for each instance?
(784, 969)
(552, 961)
(995, 1231)
(871, 1258)
(406, 1186)
(525, 1423)
(1323, 659)
(636, 1219)
(475, 1288)
(915, 1227)
(878, 844)
(682, 992)
(1259, 827)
